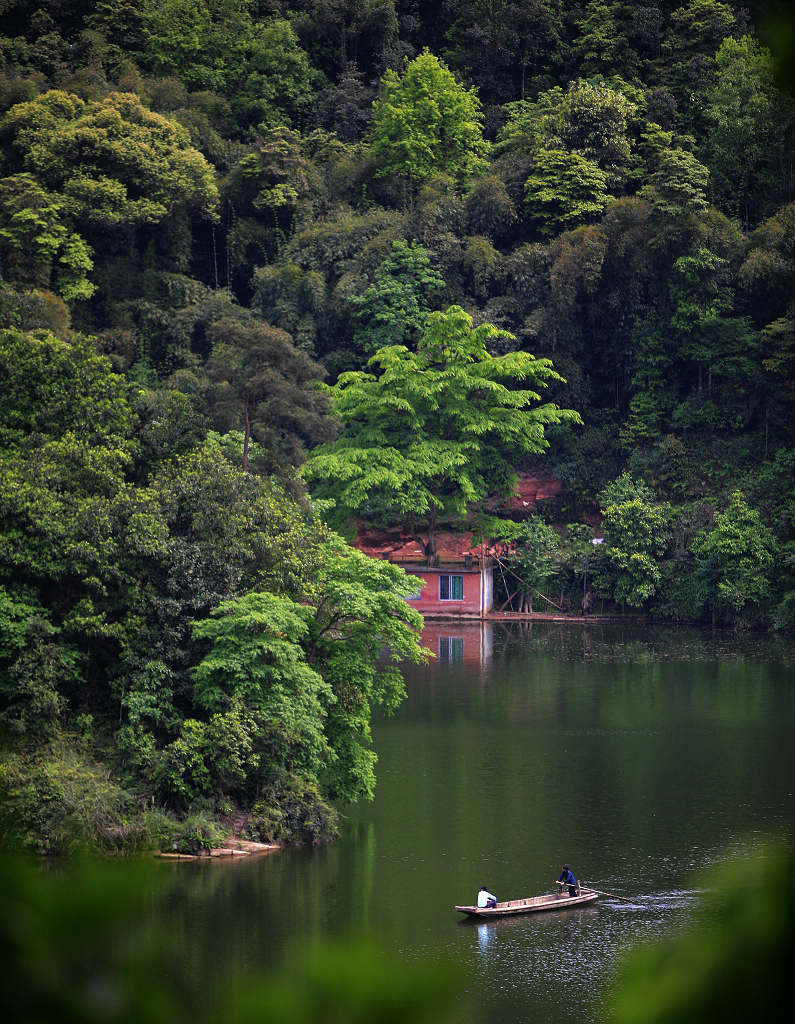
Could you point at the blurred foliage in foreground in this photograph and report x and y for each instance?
(73, 949)
(732, 965)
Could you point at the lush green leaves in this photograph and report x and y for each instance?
(37, 246)
(736, 558)
(257, 661)
(114, 162)
(435, 430)
(535, 560)
(564, 190)
(424, 121)
(393, 309)
(361, 632)
(748, 131)
(637, 532)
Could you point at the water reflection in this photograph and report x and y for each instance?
(486, 932)
(480, 643)
(459, 643)
(575, 641)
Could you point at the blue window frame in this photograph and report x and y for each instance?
(451, 588)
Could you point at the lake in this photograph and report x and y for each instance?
(639, 756)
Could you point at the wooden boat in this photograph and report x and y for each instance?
(533, 904)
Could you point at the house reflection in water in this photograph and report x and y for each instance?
(464, 643)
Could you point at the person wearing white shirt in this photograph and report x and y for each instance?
(485, 898)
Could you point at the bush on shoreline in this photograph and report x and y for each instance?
(58, 800)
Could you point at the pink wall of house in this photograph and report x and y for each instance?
(429, 601)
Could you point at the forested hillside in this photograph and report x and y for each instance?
(209, 206)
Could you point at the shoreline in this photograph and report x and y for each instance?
(575, 620)
(231, 849)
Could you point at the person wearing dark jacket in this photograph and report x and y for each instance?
(567, 878)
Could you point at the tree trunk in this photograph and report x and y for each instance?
(767, 427)
(245, 442)
(229, 224)
(430, 544)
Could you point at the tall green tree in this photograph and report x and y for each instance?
(394, 307)
(361, 631)
(309, 675)
(720, 348)
(431, 433)
(129, 181)
(694, 32)
(637, 536)
(37, 246)
(276, 80)
(594, 122)
(534, 562)
(677, 185)
(637, 531)
(736, 558)
(749, 132)
(116, 162)
(265, 386)
(564, 190)
(599, 41)
(257, 659)
(424, 122)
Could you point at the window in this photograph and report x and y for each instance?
(415, 596)
(451, 649)
(451, 588)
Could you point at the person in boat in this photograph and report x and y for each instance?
(485, 898)
(567, 878)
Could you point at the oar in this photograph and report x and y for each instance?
(612, 895)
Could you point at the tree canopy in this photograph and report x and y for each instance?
(425, 121)
(431, 433)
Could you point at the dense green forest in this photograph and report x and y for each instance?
(515, 236)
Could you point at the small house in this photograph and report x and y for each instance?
(460, 583)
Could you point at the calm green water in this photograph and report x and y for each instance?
(638, 756)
